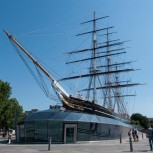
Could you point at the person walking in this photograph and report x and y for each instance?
(150, 137)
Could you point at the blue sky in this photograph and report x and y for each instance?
(32, 20)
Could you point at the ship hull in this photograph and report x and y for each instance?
(84, 106)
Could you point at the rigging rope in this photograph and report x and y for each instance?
(55, 25)
(39, 81)
(43, 84)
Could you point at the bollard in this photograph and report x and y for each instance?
(142, 135)
(131, 146)
(49, 143)
(120, 137)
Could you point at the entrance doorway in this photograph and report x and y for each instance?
(70, 133)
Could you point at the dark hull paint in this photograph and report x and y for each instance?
(84, 106)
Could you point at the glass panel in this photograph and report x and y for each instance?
(124, 131)
(70, 135)
(104, 131)
(41, 131)
(30, 131)
(55, 130)
(83, 131)
(61, 115)
(117, 131)
(84, 119)
(73, 117)
(94, 131)
(22, 135)
(89, 117)
(111, 131)
(95, 119)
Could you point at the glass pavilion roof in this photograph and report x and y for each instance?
(58, 115)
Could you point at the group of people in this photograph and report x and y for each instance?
(133, 133)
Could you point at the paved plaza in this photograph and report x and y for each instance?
(108, 146)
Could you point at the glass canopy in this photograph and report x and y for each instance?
(58, 115)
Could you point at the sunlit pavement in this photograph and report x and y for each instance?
(108, 146)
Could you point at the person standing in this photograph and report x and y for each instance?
(130, 134)
(136, 135)
(9, 137)
(133, 135)
(150, 137)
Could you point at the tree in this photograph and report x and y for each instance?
(10, 110)
(135, 122)
(144, 122)
(5, 91)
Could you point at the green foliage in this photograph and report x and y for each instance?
(151, 124)
(143, 120)
(10, 110)
(135, 122)
(5, 91)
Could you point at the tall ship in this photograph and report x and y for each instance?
(104, 90)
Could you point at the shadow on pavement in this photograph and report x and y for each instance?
(138, 151)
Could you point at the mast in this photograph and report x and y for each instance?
(105, 82)
(94, 60)
(93, 77)
(55, 84)
(108, 79)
